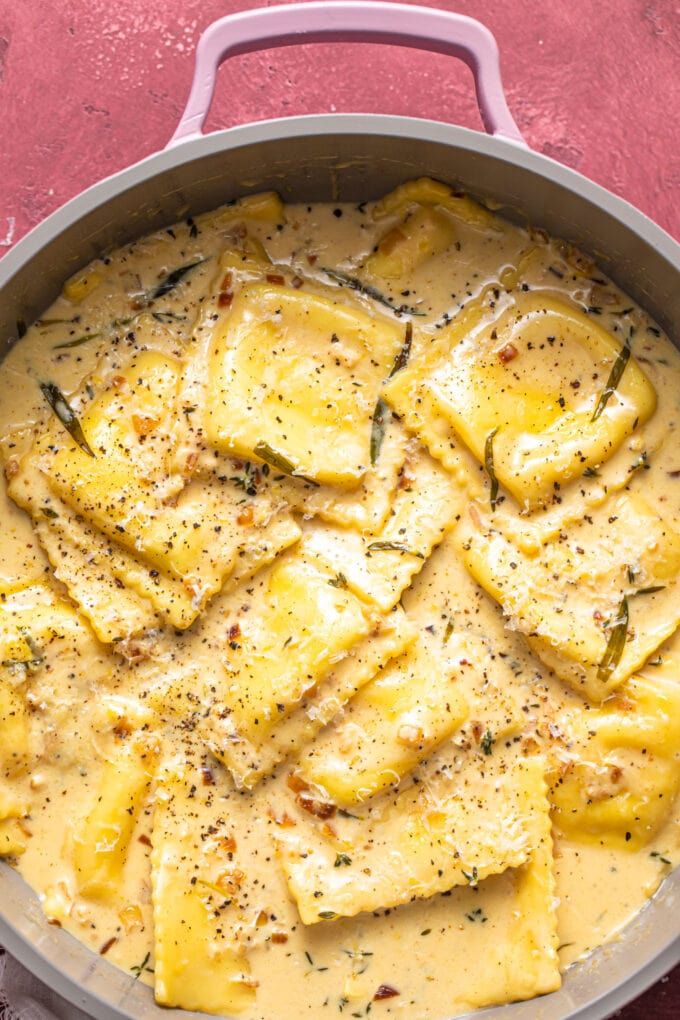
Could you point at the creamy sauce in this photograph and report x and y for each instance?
(87, 701)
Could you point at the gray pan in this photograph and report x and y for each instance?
(342, 158)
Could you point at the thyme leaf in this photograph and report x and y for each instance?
(614, 379)
(342, 861)
(378, 426)
(489, 466)
(278, 460)
(401, 360)
(651, 590)
(327, 915)
(618, 630)
(66, 415)
(487, 742)
(139, 967)
(368, 291)
(339, 581)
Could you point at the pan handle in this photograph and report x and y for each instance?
(337, 20)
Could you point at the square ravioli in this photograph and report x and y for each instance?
(294, 379)
(593, 604)
(430, 838)
(540, 393)
(297, 644)
(409, 708)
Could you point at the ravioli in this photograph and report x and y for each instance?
(294, 375)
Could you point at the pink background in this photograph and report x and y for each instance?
(89, 86)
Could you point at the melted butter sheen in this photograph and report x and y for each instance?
(296, 598)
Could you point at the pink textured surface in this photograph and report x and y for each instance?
(89, 86)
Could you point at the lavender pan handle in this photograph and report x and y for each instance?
(398, 24)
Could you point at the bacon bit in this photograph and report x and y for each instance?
(385, 992)
(275, 278)
(508, 353)
(207, 777)
(144, 424)
(229, 882)
(329, 831)
(297, 282)
(312, 259)
(11, 468)
(284, 820)
(228, 844)
(477, 730)
(190, 463)
(54, 922)
(318, 808)
(226, 282)
(246, 516)
(296, 783)
(192, 588)
(261, 919)
(145, 840)
(225, 298)
(118, 382)
(279, 937)
(529, 745)
(234, 631)
(107, 945)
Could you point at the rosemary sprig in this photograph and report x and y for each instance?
(378, 426)
(489, 466)
(368, 291)
(77, 342)
(618, 631)
(169, 282)
(614, 379)
(66, 415)
(401, 360)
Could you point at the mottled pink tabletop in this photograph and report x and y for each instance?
(89, 86)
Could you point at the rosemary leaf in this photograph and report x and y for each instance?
(378, 425)
(618, 631)
(171, 280)
(66, 415)
(614, 379)
(278, 460)
(77, 342)
(393, 547)
(368, 291)
(401, 360)
(488, 464)
(653, 588)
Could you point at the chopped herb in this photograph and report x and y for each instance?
(311, 961)
(339, 581)
(660, 857)
(393, 547)
(357, 954)
(342, 861)
(380, 417)
(327, 915)
(449, 631)
(79, 340)
(614, 379)
(641, 462)
(488, 464)
(426, 931)
(650, 590)
(618, 630)
(171, 280)
(49, 512)
(632, 574)
(365, 288)
(401, 360)
(66, 415)
(139, 967)
(472, 877)
(346, 814)
(487, 742)
(278, 460)
(591, 472)
(477, 915)
(168, 317)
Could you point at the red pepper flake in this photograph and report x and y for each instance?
(234, 631)
(508, 353)
(275, 278)
(318, 808)
(207, 776)
(225, 299)
(279, 937)
(385, 992)
(144, 839)
(107, 945)
(226, 282)
(312, 259)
